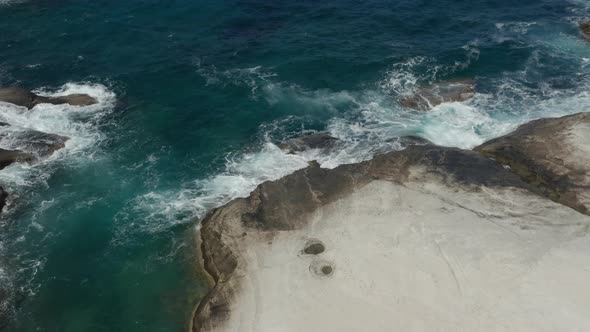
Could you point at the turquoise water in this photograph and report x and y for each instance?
(194, 95)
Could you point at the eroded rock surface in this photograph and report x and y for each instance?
(321, 140)
(442, 92)
(551, 154)
(26, 98)
(425, 239)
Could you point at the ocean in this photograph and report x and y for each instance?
(194, 97)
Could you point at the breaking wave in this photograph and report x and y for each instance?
(371, 121)
(79, 124)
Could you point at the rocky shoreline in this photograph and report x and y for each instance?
(427, 238)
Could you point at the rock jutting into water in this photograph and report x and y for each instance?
(550, 154)
(33, 145)
(8, 157)
(442, 92)
(37, 143)
(585, 29)
(321, 140)
(423, 239)
(28, 99)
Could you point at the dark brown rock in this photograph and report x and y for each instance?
(73, 99)
(8, 157)
(551, 155)
(28, 99)
(442, 92)
(321, 140)
(38, 143)
(18, 96)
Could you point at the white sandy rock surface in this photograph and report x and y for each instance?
(426, 239)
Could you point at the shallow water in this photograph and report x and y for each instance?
(194, 97)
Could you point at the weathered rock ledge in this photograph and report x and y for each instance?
(424, 239)
(550, 154)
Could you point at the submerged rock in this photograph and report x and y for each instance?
(321, 140)
(419, 239)
(585, 29)
(551, 154)
(442, 92)
(28, 99)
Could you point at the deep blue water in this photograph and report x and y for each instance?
(193, 97)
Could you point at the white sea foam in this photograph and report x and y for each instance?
(370, 121)
(253, 78)
(80, 124)
(77, 123)
(10, 2)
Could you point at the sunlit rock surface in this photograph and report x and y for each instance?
(425, 239)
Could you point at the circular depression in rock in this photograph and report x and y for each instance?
(314, 247)
(322, 268)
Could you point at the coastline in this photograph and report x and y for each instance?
(266, 216)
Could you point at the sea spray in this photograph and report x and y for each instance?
(371, 121)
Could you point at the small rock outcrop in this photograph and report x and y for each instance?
(442, 92)
(585, 29)
(33, 145)
(553, 155)
(8, 157)
(18, 96)
(321, 140)
(37, 143)
(26, 98)
(77, 99)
